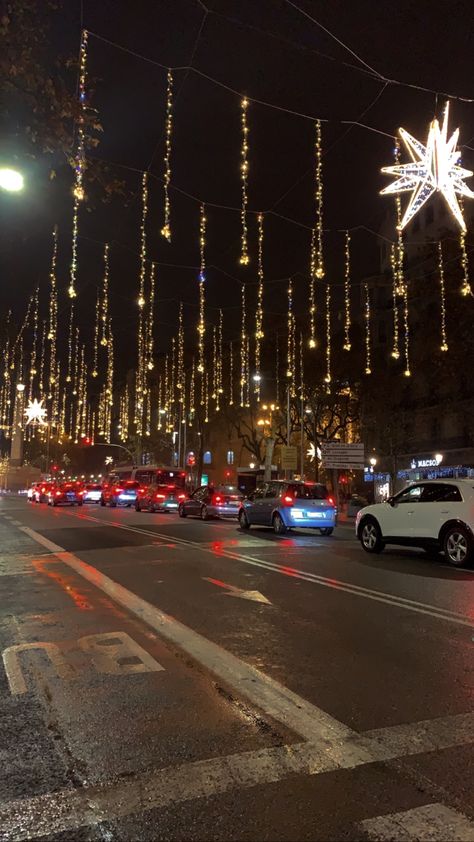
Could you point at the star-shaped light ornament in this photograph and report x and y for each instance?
(35, 412)
(433, 168)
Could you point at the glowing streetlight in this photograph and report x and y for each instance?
(11, 180)
(373, 461)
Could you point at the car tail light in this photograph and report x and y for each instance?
(43, 490)
(181, 496)
(160, 496)
(287, 500)
(331, 501)
(58, 494)
(117, 490)
(216, 499)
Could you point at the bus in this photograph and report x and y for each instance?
(148, 474)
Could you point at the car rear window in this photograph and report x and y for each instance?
(308, 492)
(131, 484)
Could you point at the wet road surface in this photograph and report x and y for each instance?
(178, 679)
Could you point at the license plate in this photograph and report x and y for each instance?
(172, 505)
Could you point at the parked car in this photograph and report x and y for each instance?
(159, 498)
(64, 494)
(284, 505)
(122, 493)
(212, 501)
(433, 514)
(91, 493)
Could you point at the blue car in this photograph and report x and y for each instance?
(284, 504)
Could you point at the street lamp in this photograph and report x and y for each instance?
(373, 461)
(11, 180)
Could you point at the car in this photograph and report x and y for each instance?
(91, 493)
(64, 494)
(40, 493)
(159, 498)
(120, 493)
(31, 492)
(437, 515)
(286, 504)
(209, 501)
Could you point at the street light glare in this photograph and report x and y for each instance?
(11, 180)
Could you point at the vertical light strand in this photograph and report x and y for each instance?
(151, 320)
(328, 376)
(192, 399)
(110, 380)
(180, 379)
(396, 331)
(220, 351)
(95, 346)
(277, 370)
(231, 374)
(312, 292)
(407, 371)
(347, 292)
(400, 249)
(244, 171)
(319, 261)
(465, 286)
(42, 371)
(206, 397)
(442, 293)
(53, 311)
(34, 346)
(202, 293)
(243, 347)
(247, 370)
(368, 344)
(70, 344)
(259, 335)
(301, 355)
(79, 163)
(291, 355)
(141, 349)
(105, 298)
(75, 376)
(166, 230)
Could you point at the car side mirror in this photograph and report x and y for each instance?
(391, 502)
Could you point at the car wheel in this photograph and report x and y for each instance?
(326, 530)
(457, 546)
(181, 510)
(371, 536)
(113, 503)
(54, 504)
(243, 521)
(204, 513)
(102, 501)
(279, 527)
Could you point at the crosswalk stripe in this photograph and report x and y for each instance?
(431, 823)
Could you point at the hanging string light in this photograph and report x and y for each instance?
(206, 398)
(53, 310)
(70, 344)
(259, 312)
(301, 367)
(141, 294)
(180, 379)
(34, 344)
(291, 355)
(110, 380)
(140, 379)
(347, 293)
(277, 370)
(247, 371)
(328, 376)
(244, 171)
(42, 372)
(220, 350)
(465, 286)
(105, 297)
(231, 374)
(400, 249)
(160, 407)
(192, 401)
(319, 258)
(215, 375)
(166, 230)
(442, 290)
(407, 371)
(151, 320)
(368, 363)
(243, 348)
(75, 378)
(393, 264)
(202, 293)
(312, 292)
(95, 348)
(79, 162)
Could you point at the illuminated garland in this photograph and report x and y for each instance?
(243, 348)
(110, 381)
(247, 371)
(140, 384)
(202, 293)
(70, 341)
(95, 346)
(220, 351)
(215, 375)
(206, 398)
(347, 293)
(312, 293)
(53, 311)
(442, 290)
(172, 396)
(259, 335)
(291, 349)
(180, 382)
(393, 263)
(42, 372)
(368, 363)
(75, 379)
(328, 376)
(277, 369)
(319, 261)
(166, 230)
(151, 320)
(465, 287)
(399, 249)
(160, 402)
(231, 374)
(33, 371)
(79, 163)
(192, 405)
(105, 297)
(407, 371)
(244, 169)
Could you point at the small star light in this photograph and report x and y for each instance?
(35, 412)
(433, 167)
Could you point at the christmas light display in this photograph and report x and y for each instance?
(393, 263)
(442, 291)
(259, 311)
(202, 293)
(35, 412)
(399, 247)
(79, 163)
(180, 378)
(231, 374)
(150, 342)
(407, 371)
(192, 401)
(42, 368)
(110, 381)
(312, 293)
(69, 344)
(328, 376)
(347, 293)
(291, 349)
(243, 349)
(244, 170)
(465, 286)
(140, 376)
(220, 351)
(34, 342)
(105, 297)
(166, 230)
(95, 344)
(53, 311)
(433, 167)
(214, 366)
(368, 363)
(319, 261)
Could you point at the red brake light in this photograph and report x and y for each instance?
(160, 496)
(331, 501)
(287, 500)
(217, 498)
(117, 490)
(58, 494)
(43, 490)
(181, 496)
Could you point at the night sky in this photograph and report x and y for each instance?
(264, 49)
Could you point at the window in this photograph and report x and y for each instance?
(441, 493)
(259, 492)
(207, 458)
(309, 492)
(230, 457)
(410, 495)
(273, 489)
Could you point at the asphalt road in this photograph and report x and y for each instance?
(179, 680)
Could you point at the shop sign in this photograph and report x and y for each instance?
(426, 463)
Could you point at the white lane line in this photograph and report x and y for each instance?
(431, 823)
(16, 523)
(324, 581)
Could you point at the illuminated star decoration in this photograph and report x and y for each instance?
(433, 167)
(35, 412)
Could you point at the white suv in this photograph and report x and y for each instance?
(433, 514)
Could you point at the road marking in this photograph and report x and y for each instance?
(232, 590)
(432, 823)
(323, 581)
(13, 671)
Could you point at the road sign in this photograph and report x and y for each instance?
(337, 455)
(289, 458)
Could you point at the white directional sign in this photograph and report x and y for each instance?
(232, 590)
(337, 455)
